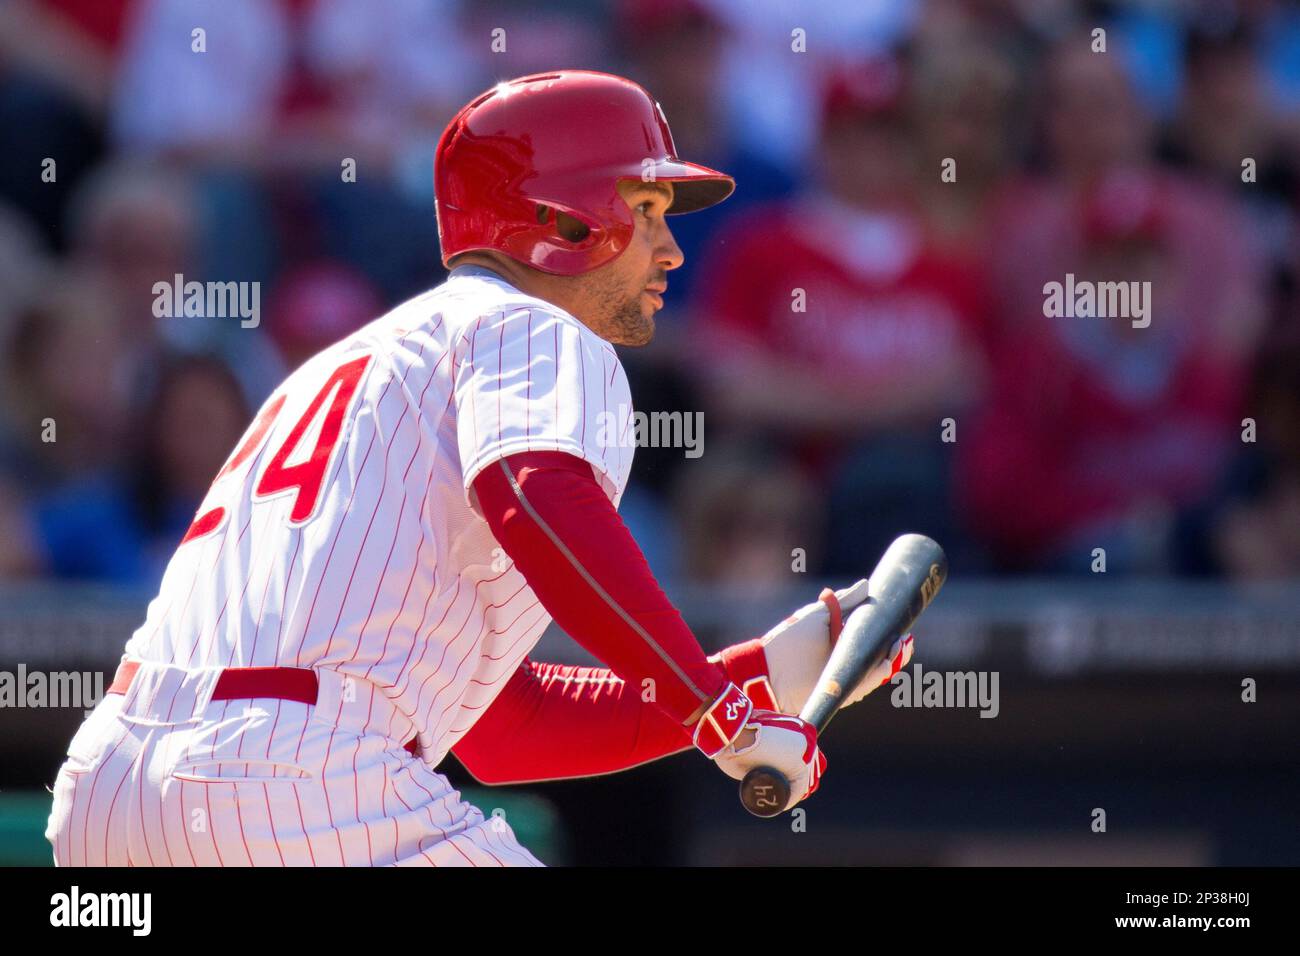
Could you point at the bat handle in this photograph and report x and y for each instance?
(764, 791)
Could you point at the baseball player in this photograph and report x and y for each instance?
(360, 589)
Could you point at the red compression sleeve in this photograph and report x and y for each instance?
(553, 721)
(554, 520)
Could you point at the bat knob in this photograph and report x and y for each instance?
(764, 791)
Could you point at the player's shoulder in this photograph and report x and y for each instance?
(479, 298)
(452, 314)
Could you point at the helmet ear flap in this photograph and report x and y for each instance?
(570, 228)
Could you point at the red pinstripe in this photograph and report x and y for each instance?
(528, 404)
(305, 835)
(270, 821)
(424, 615)
(506, 848)
(239, 817)
(356, 782)
(555, 337)
(419, 441)
(212, 821)
(107, 759)
(477, 642)
(297, 756)
(429, 809)
(144, 830)
(473, 405)
(338, 531)
(108, 820)
(452, 642)
(428, 636)
(325, 790)
(226, 603)
(500, 359)
(383, 487)
(248, 579)
(225, 535)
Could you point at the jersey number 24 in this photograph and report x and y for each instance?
(305, 478)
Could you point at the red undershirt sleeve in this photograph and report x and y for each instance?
(555, 721)
(556, 523)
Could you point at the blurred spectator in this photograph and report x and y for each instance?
(219, 100)
(519, 37)
(72, 45)
(18, 549)
(743, 511)
(24, 267)
(775, 53)
(1095, 428)
(376, 82)
(1092, 121)
(64, 404)
(674, 49)
(54, 71)
(1225, 121)
(137, 224)
(315, 305)
(123, 525)
(827, 317)
(829, 322)
(961, 105)
(1250, 529)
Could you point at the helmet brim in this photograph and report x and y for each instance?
(695, 187)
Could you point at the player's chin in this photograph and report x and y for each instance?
(641, 329)
(646, 332)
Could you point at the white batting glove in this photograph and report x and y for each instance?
(780, 669)
(779, 741)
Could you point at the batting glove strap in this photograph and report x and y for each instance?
(723, 721)
(746, 665)
(832, 602)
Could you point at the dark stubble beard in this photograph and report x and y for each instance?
(623, 322)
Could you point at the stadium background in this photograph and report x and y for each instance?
(1119, 690)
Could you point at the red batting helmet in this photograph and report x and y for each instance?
(563, 140)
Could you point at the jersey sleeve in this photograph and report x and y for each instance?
(532, 380)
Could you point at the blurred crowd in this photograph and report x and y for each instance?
(862, 324)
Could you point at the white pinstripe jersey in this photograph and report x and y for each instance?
(340, 534)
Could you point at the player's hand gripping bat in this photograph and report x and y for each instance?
(905, 581)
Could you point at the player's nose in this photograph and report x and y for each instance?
(669, 254)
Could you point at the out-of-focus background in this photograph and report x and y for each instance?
(1121, 504)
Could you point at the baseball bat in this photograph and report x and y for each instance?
(905, 581)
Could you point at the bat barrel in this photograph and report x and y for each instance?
(905, 581)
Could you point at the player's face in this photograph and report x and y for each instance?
(624, 295)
